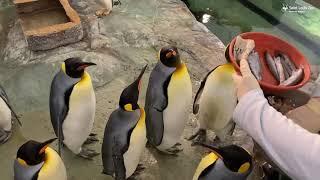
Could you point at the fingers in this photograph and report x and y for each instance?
(244, 68)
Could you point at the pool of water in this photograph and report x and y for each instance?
(295, 21)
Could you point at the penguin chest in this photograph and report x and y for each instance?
(79, 120)
(53, 167)
(5, 116)
(175, 115)
(137, 145)
(217, 102)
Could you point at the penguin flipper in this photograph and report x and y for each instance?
(155, 124)
(4, 96)
(118, 160)
(199, 92)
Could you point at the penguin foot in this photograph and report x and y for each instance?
(93, 134)
(137, 172)
(174, 150)
(88, 153)
(199, 136)
(91, 139)
(102, 12)
(4, 136)
(149, 145)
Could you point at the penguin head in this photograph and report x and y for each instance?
(74, 67)
(130, 95)
(234, 157)
(169, 56)
(32, 152)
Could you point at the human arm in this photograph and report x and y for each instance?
(291, 147)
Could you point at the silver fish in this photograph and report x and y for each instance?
(286, 68)
(296, 77)
(288, 61)
(272, 66)
(255, 65)
(280, 69)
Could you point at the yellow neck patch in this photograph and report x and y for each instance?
(63, 67)
(128, 107)
(244, 167)
(22, 162)
(205, 162)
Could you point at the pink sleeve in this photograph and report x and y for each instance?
(295, 150)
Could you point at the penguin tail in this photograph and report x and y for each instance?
(14, 113)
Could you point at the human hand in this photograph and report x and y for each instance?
(245, 82)
(243, 47)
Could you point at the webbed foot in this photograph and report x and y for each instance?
(137, 172)
(199, 136)
(88, 153)
(174, 150)
(4, 136)
(102, 12)
(91, 139)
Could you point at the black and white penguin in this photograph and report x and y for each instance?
(228, 163)
(215, 102)
(125, 134)
(168, 97)
(5, 116)
(37, 161)
(73, 106)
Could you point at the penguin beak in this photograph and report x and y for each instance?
(140, 76)
(45, 144)
(83, 65)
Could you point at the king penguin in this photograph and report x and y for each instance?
(225, 163)
(215, 102)
(125, 134)
(5, 116)
(37, 161)
(72, 106)
(107, 7)
(168, 97)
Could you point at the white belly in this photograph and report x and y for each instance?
(217, 103)
(137, 146)
(176, 114)
(5, 116)
(79, 122)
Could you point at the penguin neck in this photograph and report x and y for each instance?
(180, 68)
(85, 79)
(51, 158)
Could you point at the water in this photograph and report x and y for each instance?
(227, 18)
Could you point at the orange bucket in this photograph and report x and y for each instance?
(265, 42)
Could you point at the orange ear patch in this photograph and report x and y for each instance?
(169, 55)
(42, 150)
(174, 53)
